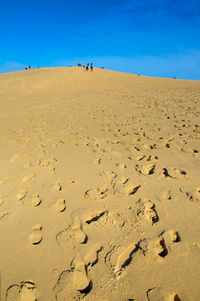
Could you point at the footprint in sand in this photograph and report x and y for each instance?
(80, 236)
(197, 194)
(174, 173)
(189, 150)
(150, 146)
(98, 161)
(165, 195)
(159, 294)
(73, 284)
(74, 232)
(26, 291)
(156, 294)
(60, 205)
(57, 187)
(78, 233)
(97, 194)
(150, 212)
(139, 157)
(36, 201)
(124, 186)
(3, 213)
(43, 163)
(46, 162)
(116, 219)
(192, 194)
(92, 257)
(125, 258)
(21, 195)
(29, 179)
(187, 192)
(81, 281)
(64, 288)
(147, 169)
(120, 165)
(174, 297)
(89, 216)
(108, 176)
(26, 165)
(36, 236)
(160, 247)
(174, 236)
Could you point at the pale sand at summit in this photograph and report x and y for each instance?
(99, 186)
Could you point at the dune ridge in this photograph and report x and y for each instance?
(100, 189)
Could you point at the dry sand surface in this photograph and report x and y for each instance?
(99, 187)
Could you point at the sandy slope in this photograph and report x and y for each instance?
(100, 186)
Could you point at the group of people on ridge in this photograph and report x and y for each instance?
(87, 67)
(29, 67)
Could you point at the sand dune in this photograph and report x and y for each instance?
(100, 186)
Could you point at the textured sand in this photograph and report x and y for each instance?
(99, 187)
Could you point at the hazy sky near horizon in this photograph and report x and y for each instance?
(156, 38)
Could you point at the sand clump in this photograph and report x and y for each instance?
(99, 178)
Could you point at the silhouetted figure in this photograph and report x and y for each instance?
(87, 67)
(29, 67)
(26, 68)
(91, 67)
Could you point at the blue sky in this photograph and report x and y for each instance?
(156, 38)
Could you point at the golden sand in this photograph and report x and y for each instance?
(99, 186)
